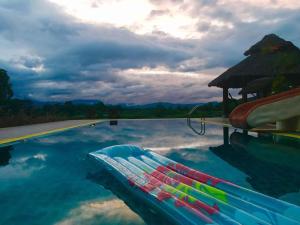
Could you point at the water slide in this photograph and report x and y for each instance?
(282, 108)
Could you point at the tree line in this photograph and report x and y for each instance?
(15, 111)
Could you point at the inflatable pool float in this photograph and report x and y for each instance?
(189, 196)
(274, 108)
(146, 211)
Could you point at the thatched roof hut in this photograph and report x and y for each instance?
(270, 57)
(267, 59)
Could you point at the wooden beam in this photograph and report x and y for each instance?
(245, 97)
(226, 136)
(225, 102)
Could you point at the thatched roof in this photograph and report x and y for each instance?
(270, 57)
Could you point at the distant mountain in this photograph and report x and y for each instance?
(85, 102)
(163, 104)
(167, 105)
(42, 103)
(75, 102)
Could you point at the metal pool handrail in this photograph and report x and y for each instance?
(202, 122)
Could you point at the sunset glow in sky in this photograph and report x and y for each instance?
(133, 51)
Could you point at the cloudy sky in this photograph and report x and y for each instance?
(133, 51)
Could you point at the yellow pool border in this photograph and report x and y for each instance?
(288, 135)
(38, 134)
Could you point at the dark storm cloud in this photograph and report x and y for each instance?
(70, 51)
(243, 25)
(51, 55)
(122, 55)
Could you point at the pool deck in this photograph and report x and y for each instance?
(14, 134)
(225, 122)
(218, 121)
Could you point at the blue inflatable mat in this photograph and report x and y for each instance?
(189, 196)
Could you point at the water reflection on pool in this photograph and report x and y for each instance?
(50, 180)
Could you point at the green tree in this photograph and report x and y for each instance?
(5, 86)
(280, 83)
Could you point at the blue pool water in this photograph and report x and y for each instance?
(50, 180)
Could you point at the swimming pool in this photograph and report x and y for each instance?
(50, 180)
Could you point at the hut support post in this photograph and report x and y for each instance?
(225, 102)
(226, 136)
(244, 97)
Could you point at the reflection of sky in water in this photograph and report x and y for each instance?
(101, 212)
(44, 181)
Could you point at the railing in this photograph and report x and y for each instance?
(202, 121)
